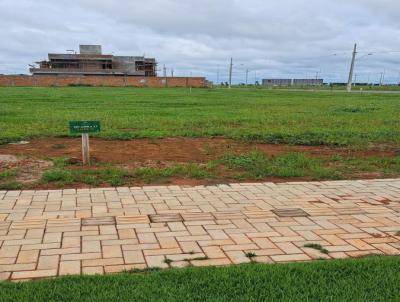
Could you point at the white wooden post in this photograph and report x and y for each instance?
(85, 149)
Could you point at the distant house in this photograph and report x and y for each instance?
(91, 61)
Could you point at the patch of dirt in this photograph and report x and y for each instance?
(169, 149)
(6, 159)
(29, 169)
(28, 157)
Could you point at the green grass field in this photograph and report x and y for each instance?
(262, 115)
(368, 279)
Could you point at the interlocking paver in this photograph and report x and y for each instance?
(70, 267)
(95, 231)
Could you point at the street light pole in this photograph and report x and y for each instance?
(230, 73)
(349, 82)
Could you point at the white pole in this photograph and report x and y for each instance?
(349, 82)
(230, 73)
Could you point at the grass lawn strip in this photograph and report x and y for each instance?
(268, 116)
(366, 279)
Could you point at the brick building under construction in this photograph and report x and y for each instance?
(91, 62)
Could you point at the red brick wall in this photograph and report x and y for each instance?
(45, 81)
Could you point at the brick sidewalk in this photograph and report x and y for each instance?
(97, 231)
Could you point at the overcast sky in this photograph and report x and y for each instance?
(285, 38)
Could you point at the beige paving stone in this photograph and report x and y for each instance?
(147, 238)
(263, 243)
(71, 250)
(211, 262)
(360, 244)
(52, 237)
(33, 274)
(108, 230)
(387, 249)
(122, 268)
(93, 270)
(91, 246)
(288, 247)
(162, 251)
(9, 251)
(48, 262)
(263, 259)
(112, 251)
(133, 257)
(268, 252)
(290, 257)
(4, 276)
(71, 242)
(70, 268)
(240, 247)
(168, 242)
(190, 247)
(34, 234)
(43, 246)
(103, 262)
(7, 260)
(338, 255)
(156, 261)
(28, 256)
(177, 264)
(213, 252)
(237, 257)
(80, 256)
(126, 234)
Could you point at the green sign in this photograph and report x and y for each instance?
(84, 126)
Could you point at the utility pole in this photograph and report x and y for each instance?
(230, 73)
(164, 71)
(382, 80)
(172, 72)
(349, 82)
(247, 75)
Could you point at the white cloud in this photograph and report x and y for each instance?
(272, 38)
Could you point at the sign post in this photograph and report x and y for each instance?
(84, 128)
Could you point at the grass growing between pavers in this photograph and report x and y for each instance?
(269, 116)
(367, 279)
